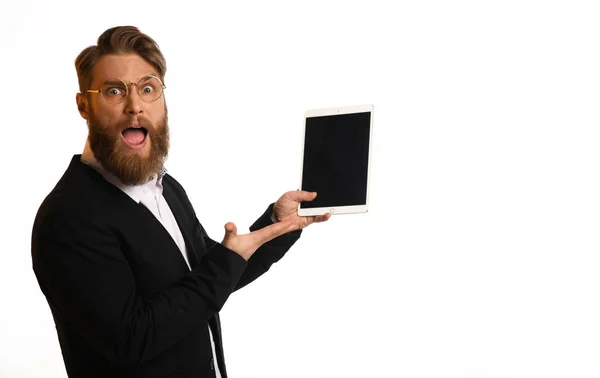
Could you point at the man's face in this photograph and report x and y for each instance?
(131, 138)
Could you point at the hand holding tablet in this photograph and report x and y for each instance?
(336, 159)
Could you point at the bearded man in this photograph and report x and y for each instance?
(133, 282)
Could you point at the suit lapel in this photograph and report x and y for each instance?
(184, 225)
(187, 224)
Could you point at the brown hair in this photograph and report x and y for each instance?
(119, 40)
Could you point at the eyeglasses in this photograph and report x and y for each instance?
(114, 91)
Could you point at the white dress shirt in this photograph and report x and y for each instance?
(150, 195)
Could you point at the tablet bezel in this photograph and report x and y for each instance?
(349, 209)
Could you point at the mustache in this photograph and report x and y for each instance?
(137, 121)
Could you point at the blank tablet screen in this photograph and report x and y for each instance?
(336, 159)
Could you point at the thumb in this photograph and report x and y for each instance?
(230, 230)
(302, 195)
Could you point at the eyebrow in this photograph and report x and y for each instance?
(148, 77)
(113, 82)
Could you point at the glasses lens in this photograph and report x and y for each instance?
(150, 89)
(114, 90)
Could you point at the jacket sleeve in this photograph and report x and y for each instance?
(269, 253)
(265, 256)
(87, 281)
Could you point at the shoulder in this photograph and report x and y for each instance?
(81, 195)
(172, 189)
(172, 183)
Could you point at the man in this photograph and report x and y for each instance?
(133, 281)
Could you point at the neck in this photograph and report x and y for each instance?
(87, 156)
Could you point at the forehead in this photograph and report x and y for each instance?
(127, 67)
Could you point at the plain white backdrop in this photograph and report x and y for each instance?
(479, 256)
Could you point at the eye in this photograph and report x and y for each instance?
(150, 88)
(147, 89)
(114, 91)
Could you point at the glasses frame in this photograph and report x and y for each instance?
(127, 89)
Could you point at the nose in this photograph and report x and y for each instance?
(133, 100)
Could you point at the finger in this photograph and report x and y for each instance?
(321, 218)
(268, 233)
(316, 219)
(302, 195)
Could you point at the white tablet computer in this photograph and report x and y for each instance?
(335, 159)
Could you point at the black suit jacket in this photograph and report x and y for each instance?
(124, 302)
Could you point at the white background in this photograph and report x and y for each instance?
(479, 256)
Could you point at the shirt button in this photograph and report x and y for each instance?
(212, 364)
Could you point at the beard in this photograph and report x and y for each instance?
(130, 166)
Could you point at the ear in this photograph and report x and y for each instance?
(82, 106)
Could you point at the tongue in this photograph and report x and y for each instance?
(133, 136)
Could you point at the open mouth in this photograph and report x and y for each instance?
(135, 137)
